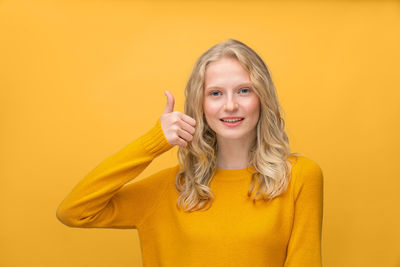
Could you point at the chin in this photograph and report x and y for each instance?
(235, 136)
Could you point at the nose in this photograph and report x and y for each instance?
(231, 104)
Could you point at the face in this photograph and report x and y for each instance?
(230, 105)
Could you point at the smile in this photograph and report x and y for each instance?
(232, 122)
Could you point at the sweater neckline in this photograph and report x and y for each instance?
(233, 174)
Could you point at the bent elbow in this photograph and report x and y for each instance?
(65, 216)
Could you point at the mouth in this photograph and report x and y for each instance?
(232, 119)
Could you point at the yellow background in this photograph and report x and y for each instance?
(81, 79)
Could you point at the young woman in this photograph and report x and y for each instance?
(238, 197)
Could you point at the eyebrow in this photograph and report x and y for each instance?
(240, 85)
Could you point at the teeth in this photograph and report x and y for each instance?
(232, 120)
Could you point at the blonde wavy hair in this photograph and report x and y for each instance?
(269, 152)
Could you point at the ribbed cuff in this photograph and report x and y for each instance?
(155, 141)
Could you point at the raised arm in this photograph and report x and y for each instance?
(101, 200)
(304, 247)
(92, 203)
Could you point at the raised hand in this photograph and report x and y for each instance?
(178, 128)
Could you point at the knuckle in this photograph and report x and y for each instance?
(176, 137)
(175, 120)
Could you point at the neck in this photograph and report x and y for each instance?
(233, 153)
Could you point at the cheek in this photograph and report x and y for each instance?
(254, 108)
(210, 109)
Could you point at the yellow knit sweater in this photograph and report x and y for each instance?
(233, 232)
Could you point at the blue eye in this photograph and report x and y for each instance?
(214, 93)
(244, 90)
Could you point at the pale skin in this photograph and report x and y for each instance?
(228, 92)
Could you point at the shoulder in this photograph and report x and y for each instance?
(305, 172)
(172, 171)
(301, 163)
(159, 179)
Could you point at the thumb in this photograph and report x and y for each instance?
(169, 107)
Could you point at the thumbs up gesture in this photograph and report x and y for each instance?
(178, 128)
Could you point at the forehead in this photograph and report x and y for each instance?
(225, 72)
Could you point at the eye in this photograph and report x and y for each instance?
(244, 90)
(214, 93)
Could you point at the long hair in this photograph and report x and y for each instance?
(269, 154)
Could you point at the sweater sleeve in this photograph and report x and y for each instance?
(100, 199)
(304, 248)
